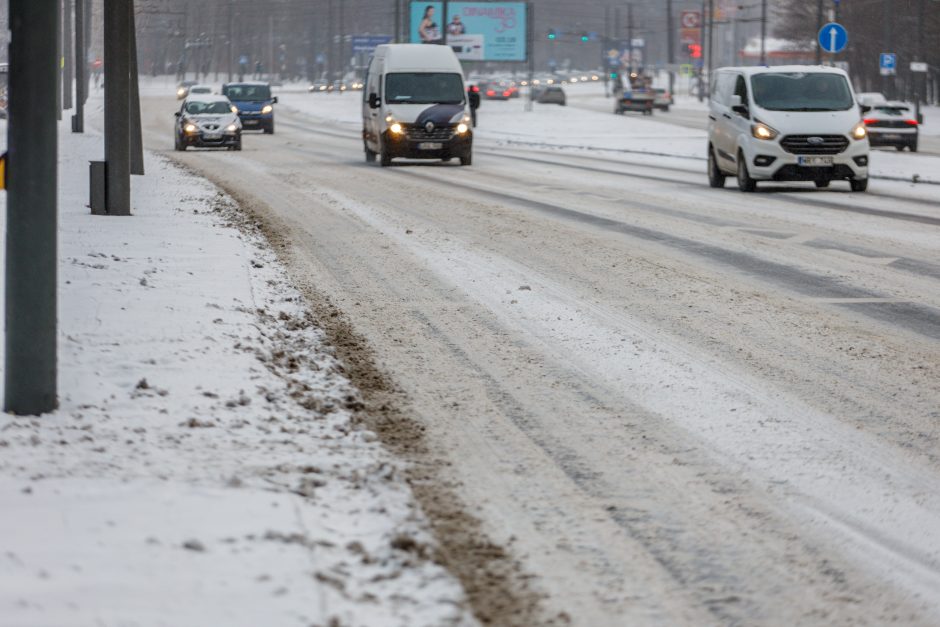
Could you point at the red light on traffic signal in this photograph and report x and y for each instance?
(695, 51)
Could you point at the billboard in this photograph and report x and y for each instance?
(478, 31)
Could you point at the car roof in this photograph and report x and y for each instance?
(765, 69)
(248, 84)
(206, 98)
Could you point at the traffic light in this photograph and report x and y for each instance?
(695, 51)
(552, 35)
(585, 37)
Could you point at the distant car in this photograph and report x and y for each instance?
(870, 98)
(552, 94)
(207, 121)
(500, 91)
(182, 90)
(200, 89)
(662, 99)
(318, 86)
(253, 103)
(339, 86)
(892, 124)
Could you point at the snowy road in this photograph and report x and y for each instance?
(674, 405)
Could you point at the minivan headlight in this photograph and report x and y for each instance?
(762, 131)
(267, 109)
(859, 132)
(462, 128)
(395, 128)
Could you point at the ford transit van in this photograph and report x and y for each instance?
(415, 105)
(785, 123)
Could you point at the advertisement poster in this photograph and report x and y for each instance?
(479, 31)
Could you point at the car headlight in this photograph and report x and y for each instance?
(762, 131)
(267, 109)
(180, 92)
(231, 128)
(859, 132)
(190, 128)
(234, 109)
(395, 128)
(462, 128)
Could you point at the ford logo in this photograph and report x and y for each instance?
(429, 127)
(815, 141)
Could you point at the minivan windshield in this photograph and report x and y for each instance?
(247, 93)
(424, 88)
(802, 91)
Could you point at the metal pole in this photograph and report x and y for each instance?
(136, 138)
(921, 56)
(116, 108)
(31, 253)
(58, 60)
(763, 32)
(81, 64)
(231, 37)
(670, 47)
(630, 35)
(397, 21)
(530, 49)
(330, 31)
(711, 38)
(819, 25)
(67, 49)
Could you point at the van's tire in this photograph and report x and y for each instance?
(370, 155)
(716, 178)
(912, 146)
(822, 183)
(466, 159)
(269, 128)
(859, 185)
(385, 159)
(745, 182)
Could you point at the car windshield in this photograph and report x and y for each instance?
(247, 93)
(802, 91)
(215, 107)
(424, 88)
(894, 111)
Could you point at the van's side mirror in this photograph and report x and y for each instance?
(274, 100)
(374, 101)
(738, 107)
(176, 114)
(865, 108)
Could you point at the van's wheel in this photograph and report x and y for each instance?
(822, 183)
(466, 159)
(745, 182)
(370, 155)
(269, 129)
(385, 157)
(912, 146)
(859, 185)
(716, 177)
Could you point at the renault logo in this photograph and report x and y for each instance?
(815, 141)
(429, 127)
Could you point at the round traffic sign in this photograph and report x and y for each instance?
(833, 37)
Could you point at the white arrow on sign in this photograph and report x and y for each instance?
(833, 34)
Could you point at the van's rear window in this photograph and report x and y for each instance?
(424, 88)
(802, 91)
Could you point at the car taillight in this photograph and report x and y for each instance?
(870, 121)
(490, 93)
(911, 122)
(507, 93)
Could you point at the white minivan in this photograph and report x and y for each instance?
(415, 105)
(785, 123)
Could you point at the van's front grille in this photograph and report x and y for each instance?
(420, 133)
(815, 144)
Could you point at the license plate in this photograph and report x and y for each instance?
(430, 146)
(814, 161)
(891, 136)
(211, 136)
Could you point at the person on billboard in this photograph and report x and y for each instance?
(456, 27)
(428, 30)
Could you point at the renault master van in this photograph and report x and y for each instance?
(785, 123)
(415, 105)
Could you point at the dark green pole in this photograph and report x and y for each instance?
(31, 255)
(117, 118)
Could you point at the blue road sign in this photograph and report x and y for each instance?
(833, 37)
(888, 61)
(367, 43)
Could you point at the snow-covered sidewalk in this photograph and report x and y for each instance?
(203, 468)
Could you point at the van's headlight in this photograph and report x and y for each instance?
(859, 132)
(462, 128)
(181, 92)
(190, 128)
(762, 131)
(395, 128)
(231, 128)
(267, 109)
(234, 109)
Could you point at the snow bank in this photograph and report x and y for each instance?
(203, 468)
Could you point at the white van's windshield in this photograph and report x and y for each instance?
(424, 88)
(802, 91)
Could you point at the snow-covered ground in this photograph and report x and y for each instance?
(588, 124)
(204, 466)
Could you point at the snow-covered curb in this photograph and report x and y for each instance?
(203, 468)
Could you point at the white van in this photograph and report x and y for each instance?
(415, 105)
(785, 123)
